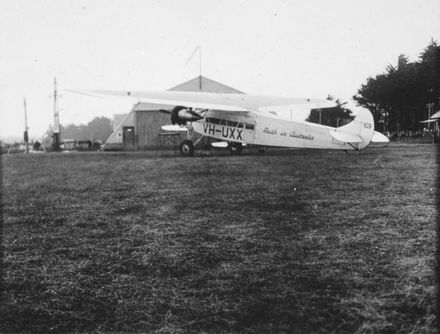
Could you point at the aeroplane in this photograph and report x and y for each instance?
(237, 120)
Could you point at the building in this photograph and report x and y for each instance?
(140, 129)
(203, 84)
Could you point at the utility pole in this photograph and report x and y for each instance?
(198, 48)
(26, 135)
(430, 106)
(56, 118)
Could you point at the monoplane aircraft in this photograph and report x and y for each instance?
(237, 120)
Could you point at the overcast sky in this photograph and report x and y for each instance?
(282, 48)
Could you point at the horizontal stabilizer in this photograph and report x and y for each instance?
(379, 138)
(345, 137)
(220, 144)
(430, 120)
(174, 128)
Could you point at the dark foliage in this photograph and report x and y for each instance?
(399, 97)
(335, 117)
(100, 128)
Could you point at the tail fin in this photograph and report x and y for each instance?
(359, 132)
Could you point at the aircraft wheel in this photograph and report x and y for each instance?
(187, 148)
(235, 148)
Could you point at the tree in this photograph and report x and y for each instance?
(429, 74)
(72, 131)
(399, 96)
(100, 128)
(335, 116)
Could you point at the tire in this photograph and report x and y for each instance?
(235, 148)
(187, 148)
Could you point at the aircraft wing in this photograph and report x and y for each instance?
(186, 99)
(202, 100)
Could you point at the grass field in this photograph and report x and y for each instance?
(288, 241)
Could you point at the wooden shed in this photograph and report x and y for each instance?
(148, 120)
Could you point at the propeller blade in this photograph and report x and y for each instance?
(168, 112)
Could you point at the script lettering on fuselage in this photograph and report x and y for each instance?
(270, 131)
(292, 134)
(223, 131)
(301, 136)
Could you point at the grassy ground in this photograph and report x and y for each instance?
(297, 241)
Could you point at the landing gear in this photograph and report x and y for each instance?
(235, 148)
(187, 148)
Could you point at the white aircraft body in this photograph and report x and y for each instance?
(241, 119)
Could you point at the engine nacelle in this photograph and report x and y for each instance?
(180, 115)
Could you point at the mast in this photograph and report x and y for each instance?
(198, 48)
(26, 135)
(200, 68)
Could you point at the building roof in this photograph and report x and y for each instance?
(193, 85)
(203, 84)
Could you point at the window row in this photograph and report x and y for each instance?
(230, 123)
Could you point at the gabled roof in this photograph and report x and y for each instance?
(203, 84)
(436, 115)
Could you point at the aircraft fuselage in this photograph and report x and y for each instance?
(259, 129)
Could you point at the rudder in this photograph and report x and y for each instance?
(359, 132)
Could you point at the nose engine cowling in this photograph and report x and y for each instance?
(181, 115)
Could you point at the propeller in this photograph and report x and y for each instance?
(180, 115)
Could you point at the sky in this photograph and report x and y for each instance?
(292, 48)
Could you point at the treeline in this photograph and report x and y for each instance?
(399, 98)
(336, 116)
(99, 129)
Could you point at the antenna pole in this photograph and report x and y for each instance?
(25, 135)
(56, 118)
(200, 68)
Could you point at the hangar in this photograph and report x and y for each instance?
(140, 129)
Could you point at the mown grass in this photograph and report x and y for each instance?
(290, 241)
